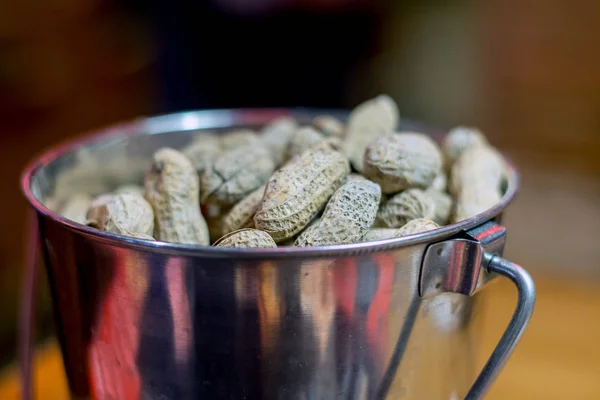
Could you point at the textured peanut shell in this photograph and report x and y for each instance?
(380, 234)
(440, 182)
(238, 138)
(480, 166)
(459, 139)
(103, 199)
(442, 206)
(124, 214)
(412, 227)
(304, 138)
(242, 214)
(348, 215)
(355, 177)
(403, 207)
(366, 122)
(235, 174)
(75, 207)
(202, 150)
(419, 225)
(130, 188)
(277, 136)
(329, 126)
(297, 192)
(171, 187)
(246, 238)
(400, 161)
(473, 201)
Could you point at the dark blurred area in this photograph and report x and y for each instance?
(526, 72)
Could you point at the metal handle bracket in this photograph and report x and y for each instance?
(464, 264)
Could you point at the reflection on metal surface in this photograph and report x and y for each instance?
(451, 266)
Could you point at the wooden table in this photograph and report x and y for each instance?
(558, 357)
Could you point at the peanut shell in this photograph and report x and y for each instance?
(172, 188)
(473, 201)
(440, 182)
(235, 174)
(242, 214)
(304, 138)
(442, 206)
(412, 227)
(348, 215)
(75, 207)
(403, 207)
(479, 166)
(298, 192)
(277, 136)
(366, 122)
(418, 225)
(246, 238)
(329, 126)
(459, 139)
(130, 188)
(400, 161)
(238, 138)
(202, 150)
(124, 214)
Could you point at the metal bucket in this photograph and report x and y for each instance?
(392, 319)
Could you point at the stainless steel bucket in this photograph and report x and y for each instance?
(393, 319)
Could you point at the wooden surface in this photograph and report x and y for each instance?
(558, 357)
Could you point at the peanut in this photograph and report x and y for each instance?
(460, 139)
(405, 184)
(246, 238)
(367, 122)
(403, 207)
(481, 166)
(277, 136)
(171, 188)
(473, 201)
(442, 206)
(412, 227)
(242, 214)
(238, 138)
(399, 161)
(380, 234)
(476, 181)
(418, 225)
(348, 215)
(304, 138)
(235, 174)
(297, 192)
(75, 207)
(440, 182)
(130, 188)
(355, 177)
(124, 214)
(202, 150)
(329, 126)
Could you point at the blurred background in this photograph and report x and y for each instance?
(526, 72)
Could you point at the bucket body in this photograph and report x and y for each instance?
(139, 320)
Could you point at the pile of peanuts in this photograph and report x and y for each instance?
(323, 183)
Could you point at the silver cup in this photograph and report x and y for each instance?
(392, 319)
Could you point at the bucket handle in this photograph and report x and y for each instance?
(523, 311)
(463, 265)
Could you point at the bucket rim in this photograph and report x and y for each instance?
(227, 118)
